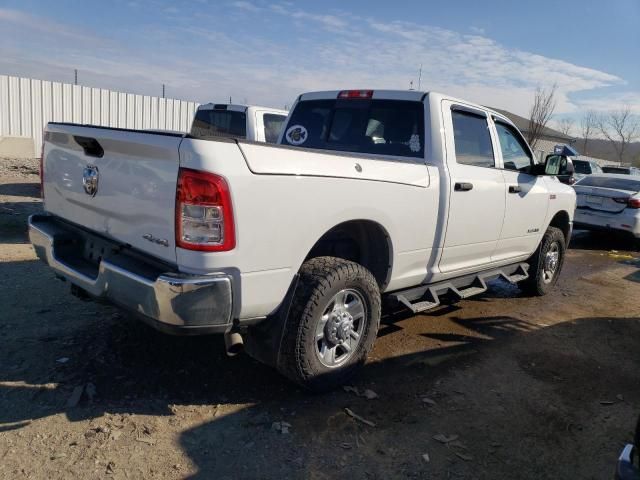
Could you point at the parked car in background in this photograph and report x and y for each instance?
(290, 248)
(628, 466)
(259, 124)
(608, 201)
(585, 167)
(622, 170)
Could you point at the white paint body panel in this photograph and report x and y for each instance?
(286, 198)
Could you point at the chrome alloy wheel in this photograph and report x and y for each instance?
(551, 262)
(340, 328)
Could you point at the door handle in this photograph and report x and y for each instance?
(514, 189)
(463, 186)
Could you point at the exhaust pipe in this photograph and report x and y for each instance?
(233, 343)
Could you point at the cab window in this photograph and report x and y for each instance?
(515, 154)
(472, 139)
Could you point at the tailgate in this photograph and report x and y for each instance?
(134, 202)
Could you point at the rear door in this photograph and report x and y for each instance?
(133, 197)
(526, 196)
(477, 201)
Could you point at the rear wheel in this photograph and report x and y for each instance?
(546, 263)
(332, 325)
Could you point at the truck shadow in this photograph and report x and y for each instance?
(20, 189)
(52, 344)
(476, 379)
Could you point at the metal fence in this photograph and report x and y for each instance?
(27, 104)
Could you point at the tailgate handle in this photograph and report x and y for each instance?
(90, 146)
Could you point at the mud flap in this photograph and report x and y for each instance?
(263, 341)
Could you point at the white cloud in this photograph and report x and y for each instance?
(211, 60)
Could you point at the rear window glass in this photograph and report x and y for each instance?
(624, 171)
(581, 166)
(219, 123)
(604, 182)
(380, 127)
(272, 126)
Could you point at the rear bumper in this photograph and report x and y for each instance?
(168, 300)
(624, 221)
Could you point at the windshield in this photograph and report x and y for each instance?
(610, 182)
(382, 127)
(219, 123)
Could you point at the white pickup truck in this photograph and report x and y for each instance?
(290, 249)
(260, 124)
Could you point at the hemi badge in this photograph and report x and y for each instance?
(552, 196)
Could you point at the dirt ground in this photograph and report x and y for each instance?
(496, 387)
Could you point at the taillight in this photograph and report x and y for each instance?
(355, 94)
(204, 217)
(633, 202)
(42, 171)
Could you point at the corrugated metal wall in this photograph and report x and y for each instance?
(27, 104)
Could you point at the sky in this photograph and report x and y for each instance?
(495, 52)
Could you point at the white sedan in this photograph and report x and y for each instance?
(608, 201)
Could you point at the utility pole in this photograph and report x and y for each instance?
(420, 78)
(163, 90)
(75, 76)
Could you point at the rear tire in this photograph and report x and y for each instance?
(546, 263)
(332, 324)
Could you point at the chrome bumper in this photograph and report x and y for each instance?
(170, 301)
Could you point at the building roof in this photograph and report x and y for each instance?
(523, 125)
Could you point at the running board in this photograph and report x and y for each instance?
(426, 297)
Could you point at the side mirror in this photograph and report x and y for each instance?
(558, 165)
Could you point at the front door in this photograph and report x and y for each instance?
(526, 196)
(476, 190)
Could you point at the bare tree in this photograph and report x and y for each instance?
(565, 126)
(543, 106)
(588, 124)
(620, 127)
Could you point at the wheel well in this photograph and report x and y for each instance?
(361, 241)
(561, 221)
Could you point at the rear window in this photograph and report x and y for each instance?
(272, 126)
(379, 127)
(219, 123)
(623, 171)
(616, 183)
(581, 166)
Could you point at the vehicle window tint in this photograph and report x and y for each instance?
(217, 123)
(272, 126)
(595, 168)
(608, 182)
(515, 153)
(380, 127)
(619, 170)
(472, 140)
(582, 166)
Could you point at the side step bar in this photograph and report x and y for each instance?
(426, 297)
